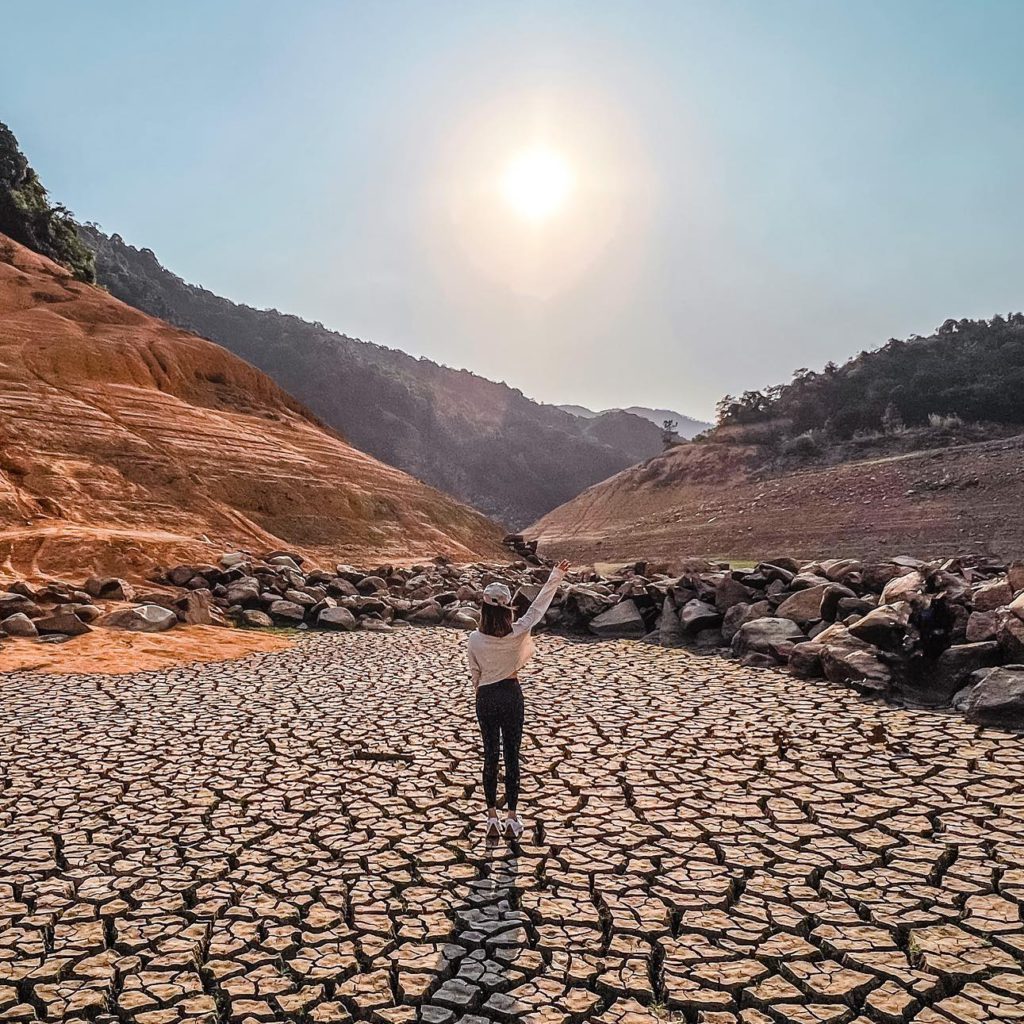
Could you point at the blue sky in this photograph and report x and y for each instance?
(763, 185)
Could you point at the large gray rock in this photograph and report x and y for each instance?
(902, 588)
(805, 660)
(621, 620)
(741, 613)
(984, 625)
(858, 667)
(245, 592)
(336, 618)
(428, 614)
(143, 618)
(12, 604)
(255, 619)
(63, 621)
(18, 624)
(766, 636)
(586, 602)
(697, 615)
(729, 592)
(1011, 639)
(287, 612)
(989, 596)
(670, 632)
(804, 606)
(935, 685)
(884, 626)
(995, 697)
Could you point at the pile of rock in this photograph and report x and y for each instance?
(841, 619)
(844, 620)
(55, 612)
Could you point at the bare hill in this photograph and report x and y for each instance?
(125, 441)
(720, 500)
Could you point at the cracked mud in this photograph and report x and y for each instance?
(298, 836)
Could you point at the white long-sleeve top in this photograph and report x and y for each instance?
(492, 658)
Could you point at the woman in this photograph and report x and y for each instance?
(497, 651)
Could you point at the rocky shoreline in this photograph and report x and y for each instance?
(850, 622)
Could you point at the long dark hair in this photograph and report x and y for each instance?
(495, 620)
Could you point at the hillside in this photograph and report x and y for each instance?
(686, 426)
(481, 441)
(124, 442)
(724, 500)
(969, 369)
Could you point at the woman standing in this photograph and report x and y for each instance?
(497, 651)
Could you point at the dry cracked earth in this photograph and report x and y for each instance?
(297, 836)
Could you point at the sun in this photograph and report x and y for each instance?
(537, 183)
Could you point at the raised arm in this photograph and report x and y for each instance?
(541, 602)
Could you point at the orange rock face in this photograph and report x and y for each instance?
(125, 442)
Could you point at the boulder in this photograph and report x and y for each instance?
(696, 615)
(372, 585)
(255, 619)
(984, 625)
(952, 669)
(336, 618)
(902, 588)
(300, 597)
(428, 614)
(63, 621)
(1015, 576)
(18, 624)
(763, 636)
(461, 618)
(804, 606)
(142, 618)
(991, 595)
(805, 660)
(12, 604)
(857, 667)
(1017, 606)
(195, 608)
(884, 626)
(245, 592)
(995, 697)
(738, 614)
(287, 612)
(86, 612)
(585, 602)
(621, 620)
(232, 558)
(670, 632)
(109, 588)
(729, 592)
(1011, 639)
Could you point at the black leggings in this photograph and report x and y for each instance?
(499, 710)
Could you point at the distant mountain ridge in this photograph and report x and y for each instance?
(481, 441)
(686, 428)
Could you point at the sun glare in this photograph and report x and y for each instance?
(537, 183)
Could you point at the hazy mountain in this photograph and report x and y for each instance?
(484, 442)
(687, 426)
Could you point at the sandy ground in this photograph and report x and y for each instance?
(112, 652)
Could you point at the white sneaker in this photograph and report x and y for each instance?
(513, 828)
(493, 827)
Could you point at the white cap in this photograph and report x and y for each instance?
(498, 594)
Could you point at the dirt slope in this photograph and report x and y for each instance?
(711, 500)
(124, 441)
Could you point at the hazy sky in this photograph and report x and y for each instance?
(755, 186)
